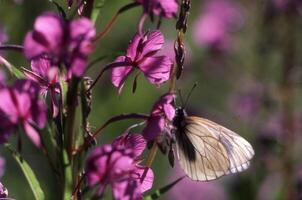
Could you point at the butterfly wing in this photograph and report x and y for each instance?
(207, 150)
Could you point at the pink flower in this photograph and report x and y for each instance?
(162, 114)
(141, 55)
(283, 5)
(117, 165)
(60, 41)
(48, 79)
(20, 106)
(218, 20)
(193, 190)
(165, 8)
(3, 38)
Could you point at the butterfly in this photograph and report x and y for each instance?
(207, 150)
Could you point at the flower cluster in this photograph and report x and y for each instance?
(118, 165)
(162, 114)
(218, 20)
(20, 106)
(60, 41)
(165, 8)
(58, 49)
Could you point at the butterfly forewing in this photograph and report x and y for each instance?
(217, 150)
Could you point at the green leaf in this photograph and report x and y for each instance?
(96, 10)
(17, 72)
(59, 8)
(68, 177)
(14, 70)
(29, 175)
(162, 190)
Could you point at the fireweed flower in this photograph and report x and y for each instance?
(218, 20)
(248, 101)
(48, 79)
(283, 5)
(193, 190)
(161, 116)
(165, 8)
(141, 55)
(3, 38)
(117, 165)
(69, 42)
(20, 106)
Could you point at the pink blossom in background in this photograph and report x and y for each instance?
(270, 187)
(20, 106)
(48, 79)
(168, 50)
(118, 165)
(218, 20)
(165, 8)
(141, 55)
(2, 166)
(161, 116)
(58, 40)
(283, 5)
(3, 35)
(3, 38)
(193, 190)
(246, 103)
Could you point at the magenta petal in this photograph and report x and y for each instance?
(156, 69)
(127, 190)
(82, 27)
(50, 26)
(138, 144)
(146, 178)
(40, 66)
(119, 74)
(135, 142)
(39, 117)
(32, 134)
(7, 105)
(78, 66)
(155, 126)
(169, 111)
(133, 46)
(82, 32)
(169, 8)
(153, 42)
(31, 47)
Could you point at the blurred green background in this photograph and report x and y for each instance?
(257, 57)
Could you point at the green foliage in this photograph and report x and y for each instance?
(29, 175)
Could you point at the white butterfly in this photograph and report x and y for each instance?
(207, 150)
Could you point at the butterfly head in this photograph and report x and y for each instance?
(180, 114)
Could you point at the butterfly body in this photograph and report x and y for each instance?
(207, 150)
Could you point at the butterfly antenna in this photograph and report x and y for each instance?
(187, 99)
(181, 99)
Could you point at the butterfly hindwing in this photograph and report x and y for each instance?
(207, 150)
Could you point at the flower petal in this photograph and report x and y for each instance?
(40, 66)
(153, 42)
(132, 50)
(32, 134)
(156, 69)
(126, 190)
(155, 126)
(136, 142)
(146, 178)
(119, 74)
